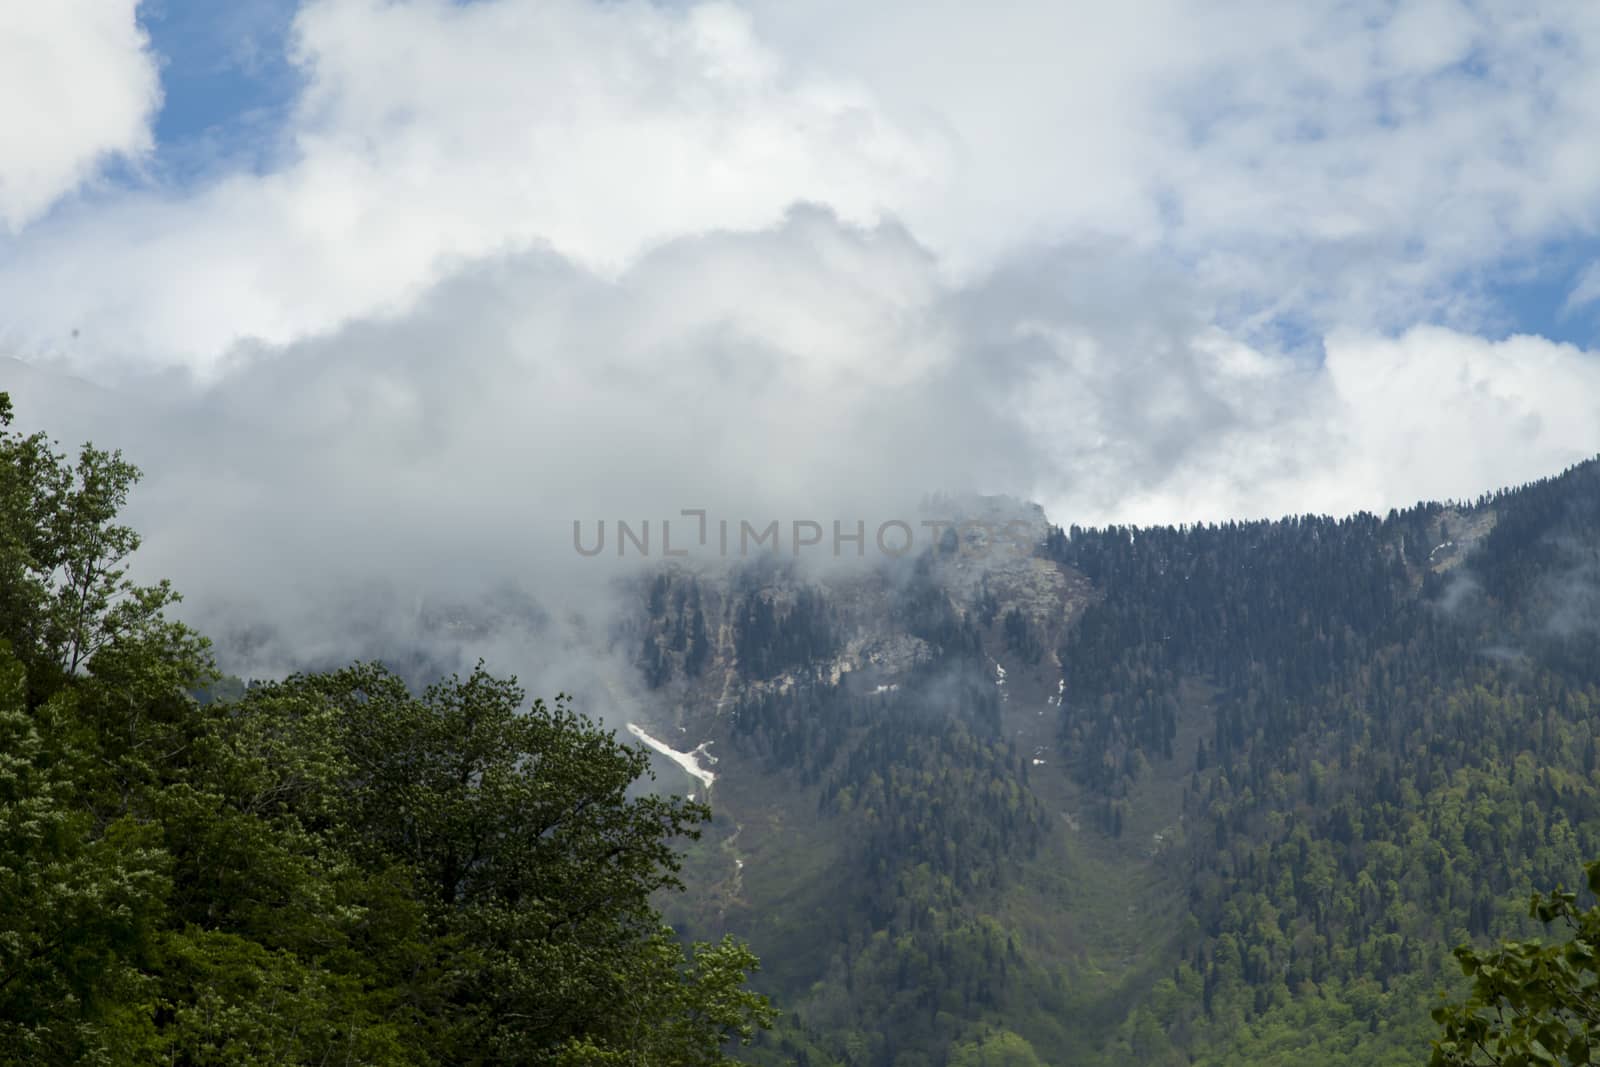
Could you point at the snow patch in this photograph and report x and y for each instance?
(689, 761)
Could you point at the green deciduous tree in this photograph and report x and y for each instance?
(536, 865)
(330, 869)
(1532, 1004)
(79, 903)
(64, 590)
(998, 1048)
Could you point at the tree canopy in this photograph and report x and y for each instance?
(1531, 1004)
(328, 869)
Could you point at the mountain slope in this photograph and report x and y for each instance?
(1210, 794)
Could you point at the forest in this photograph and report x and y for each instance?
(1373, 745)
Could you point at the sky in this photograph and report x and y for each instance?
(383, 294)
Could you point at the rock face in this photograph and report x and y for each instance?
(1464, 531)
(769, 625)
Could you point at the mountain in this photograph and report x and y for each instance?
(1201, 795)
(1209, 794)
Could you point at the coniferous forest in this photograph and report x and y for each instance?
(1293, 767)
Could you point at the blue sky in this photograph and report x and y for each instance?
(1534, 292)
(226, 79)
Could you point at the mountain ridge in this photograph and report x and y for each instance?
(1086, 764)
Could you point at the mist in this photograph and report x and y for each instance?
(406, 487)
(608, 263)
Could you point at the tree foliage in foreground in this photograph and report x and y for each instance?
(329, 870)
(1532, 1004)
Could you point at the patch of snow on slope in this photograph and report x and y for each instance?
(689, 761)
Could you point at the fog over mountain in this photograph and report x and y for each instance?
(503, 265)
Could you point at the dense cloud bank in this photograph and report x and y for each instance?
(514, 265)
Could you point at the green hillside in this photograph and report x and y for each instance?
(1294, 764)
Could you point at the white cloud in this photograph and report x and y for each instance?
(324, 489)
(357, 491)
(1384, 422)
(1330, 160)
(431, 134)
(1344, 165)
(530, 261)
(77, 85)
